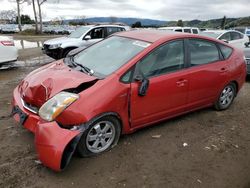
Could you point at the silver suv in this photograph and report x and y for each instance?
(83, 37)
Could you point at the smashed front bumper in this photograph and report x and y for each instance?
(55, 145)
(54, 53)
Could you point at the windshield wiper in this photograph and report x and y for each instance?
(83, 68)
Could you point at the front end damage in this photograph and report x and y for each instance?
(54, 144)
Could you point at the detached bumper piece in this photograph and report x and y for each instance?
(55, 146)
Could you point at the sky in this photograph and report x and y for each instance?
(157, 9)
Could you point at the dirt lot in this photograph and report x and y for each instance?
(216, 152)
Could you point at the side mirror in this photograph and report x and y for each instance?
(144, 85)
(88, 37)
(224, 40)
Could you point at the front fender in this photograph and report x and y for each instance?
(55, 145)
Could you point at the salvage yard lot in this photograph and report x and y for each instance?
(201, 149)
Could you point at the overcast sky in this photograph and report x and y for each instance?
(156, 9)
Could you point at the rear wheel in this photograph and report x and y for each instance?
(102, 135)
(226, 97)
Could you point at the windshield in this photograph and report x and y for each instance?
(211, 34)
(109, 55)
(79, 32)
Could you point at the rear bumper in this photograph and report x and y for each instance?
(54, 145)
(8, 54)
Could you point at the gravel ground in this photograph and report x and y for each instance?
(201, 149)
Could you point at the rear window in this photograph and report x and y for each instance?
(226, 51)
(195, 31)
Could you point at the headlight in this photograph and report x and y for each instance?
(56, 105)
(54, 46)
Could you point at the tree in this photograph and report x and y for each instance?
(19, 2)
(180, 23)
(35, 16)
(25, 19)
(113, 19)
(8, 15)
(223, 22)
(137, 25)
(39, 3)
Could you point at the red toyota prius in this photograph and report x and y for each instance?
(128, 81)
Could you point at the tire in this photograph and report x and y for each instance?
(226, 97)
(102, 135)
(66, 51)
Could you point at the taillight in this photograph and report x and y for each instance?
(7, 43)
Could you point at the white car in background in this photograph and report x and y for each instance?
(235, 38)
(83, 37)
(8, 51)
(193, 30)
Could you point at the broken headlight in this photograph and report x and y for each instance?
(56, 105)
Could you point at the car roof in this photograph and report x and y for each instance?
(152, 35)
(92, 26)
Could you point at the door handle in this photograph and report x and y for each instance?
(224, 69)
(181, 83)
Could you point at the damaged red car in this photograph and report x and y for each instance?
(128, 81)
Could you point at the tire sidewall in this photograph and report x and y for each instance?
(82, 147)
(218, 104)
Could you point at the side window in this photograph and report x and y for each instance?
(195, 31)
(226, 51)
(178, 30)
(187, 30)
(165, 59)
(111, 30)
(226, 37)
(202, 52)
(97, 33)
(236, 36)
(126, 77)
(120, 29)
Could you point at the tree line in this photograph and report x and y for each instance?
(36, 4)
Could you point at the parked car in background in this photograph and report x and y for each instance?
(232, 37)
(193, 30)
(247, 56)
(244, 30)
(128, 81)
(9, 28)
(8, 51)
(82, 37)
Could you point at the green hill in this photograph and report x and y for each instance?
(214, 23)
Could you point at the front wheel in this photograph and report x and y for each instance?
(226, 97)
(102, 135)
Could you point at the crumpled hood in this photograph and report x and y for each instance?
(45, 82)
(60, 40)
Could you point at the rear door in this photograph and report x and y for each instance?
(168, 85)
(208, 72)
(237, 39)
(112, 30)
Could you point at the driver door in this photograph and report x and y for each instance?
(168, 85)
(96, 35)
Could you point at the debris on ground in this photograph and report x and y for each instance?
(185, 144)
(38, 162)
(156, 136)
